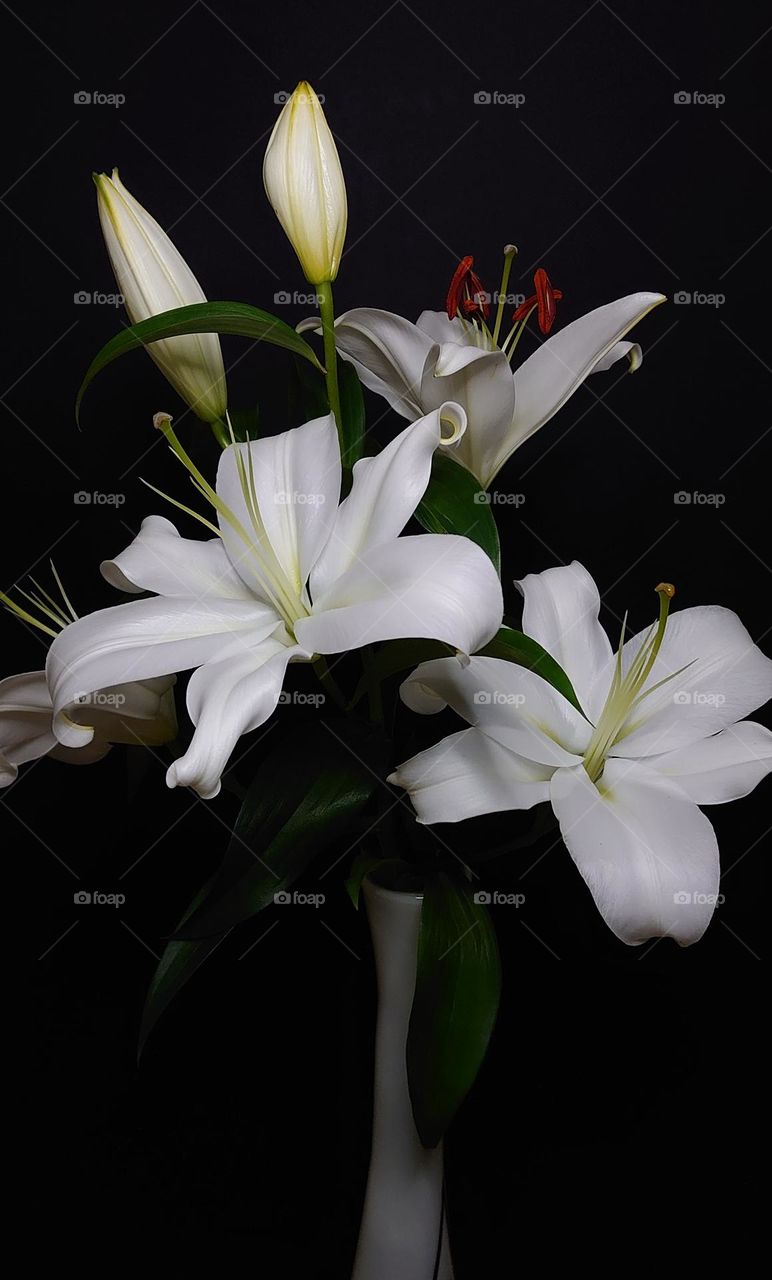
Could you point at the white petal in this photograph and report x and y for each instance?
(141, 711)
(546, 380)
(724, 767)
(25, 722)
(454, 358)
(143, 639)
(296, 481)
(440, 328)
(560, 611)
(514, 706)
(486, 389)
(227, 699)
(646, 852)
(434, 586)
(27, 691)
(620, 350)
(390, 355)
(385, 491)
(160, 560)
(468, 774)
(726, 678)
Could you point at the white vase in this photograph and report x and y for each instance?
(403, 1235)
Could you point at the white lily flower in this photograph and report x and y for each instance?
(291, 574)
(153, 277)
(416, 366)
(660, 736)
(133, 713)
(304, 182)
(141, 712)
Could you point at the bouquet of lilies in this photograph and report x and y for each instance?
(380, 569)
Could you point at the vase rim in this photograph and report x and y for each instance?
(382, 891)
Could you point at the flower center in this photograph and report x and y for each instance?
(627, 691)
(469, 302)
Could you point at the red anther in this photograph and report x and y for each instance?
(546, 298)
(466, 292)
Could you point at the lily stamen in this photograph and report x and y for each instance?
(627, 691)
(60, 616)
(520, 320)
(280, 593)
(467, 294)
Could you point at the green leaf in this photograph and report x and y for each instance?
(202, 317)
(514, 646)
(395, 656)
(352, 407)
(455, 1003)
(455, 503)
(178, 963)
(304, 797)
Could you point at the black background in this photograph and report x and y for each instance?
(620, 1082)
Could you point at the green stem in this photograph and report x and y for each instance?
(221, 433)
(327, 312)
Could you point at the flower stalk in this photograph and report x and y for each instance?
(327, 312)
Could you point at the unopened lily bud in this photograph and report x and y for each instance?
(304, 183)
(153, 277)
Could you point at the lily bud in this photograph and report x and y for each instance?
(304, 183)
(153, 277)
